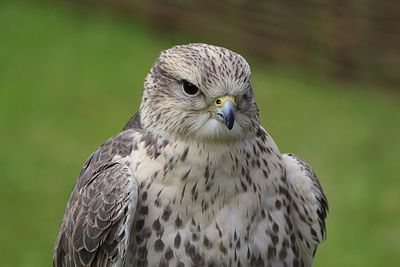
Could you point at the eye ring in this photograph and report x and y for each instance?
(189, 88)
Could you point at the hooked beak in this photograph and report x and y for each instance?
(226, 108)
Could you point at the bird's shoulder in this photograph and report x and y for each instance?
(114, 148)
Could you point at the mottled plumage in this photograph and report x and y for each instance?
(193, 179)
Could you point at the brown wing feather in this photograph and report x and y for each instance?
(99, 214)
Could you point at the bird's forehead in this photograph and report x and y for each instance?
(205, 65)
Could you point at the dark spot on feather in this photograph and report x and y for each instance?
(275, 227)
(184, 154)
(195, 237)
(278, 204)
(177, 240)
(159, 245)
(139, 225)
(178, 221)
(222, 248)
(157, 225)
(274, 239)
(186, 174)
(167, 213)
(206, 242)
(144, 210)
(283, 253)
(169, 254)
(194, 255)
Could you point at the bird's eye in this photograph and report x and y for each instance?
(190, 88)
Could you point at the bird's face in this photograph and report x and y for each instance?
(199, 91)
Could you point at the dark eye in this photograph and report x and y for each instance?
(190, 88)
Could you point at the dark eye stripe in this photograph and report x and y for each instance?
(189, 88)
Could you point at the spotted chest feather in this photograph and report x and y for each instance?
(209, 206)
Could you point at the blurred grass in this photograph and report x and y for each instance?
(70, 78)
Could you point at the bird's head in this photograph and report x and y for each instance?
(199, 91)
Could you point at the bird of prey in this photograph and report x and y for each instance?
(193, 179)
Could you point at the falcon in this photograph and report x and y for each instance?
(193, 179)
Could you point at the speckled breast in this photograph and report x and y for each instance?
(215, 209)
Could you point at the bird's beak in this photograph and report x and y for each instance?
(226, 108)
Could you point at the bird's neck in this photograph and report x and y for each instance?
(196, 160)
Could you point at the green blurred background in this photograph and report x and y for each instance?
(71, 74)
